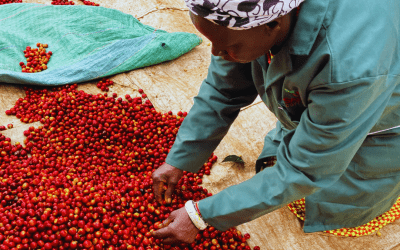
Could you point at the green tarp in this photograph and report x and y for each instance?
(87, 42)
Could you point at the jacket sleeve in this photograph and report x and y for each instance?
(313, 156)
(227, 88)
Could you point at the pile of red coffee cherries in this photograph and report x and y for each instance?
(83, 178)
(104, 83)
(90, 3)
(66, 2)
(36, 58)
(62, 2)
(9, 1)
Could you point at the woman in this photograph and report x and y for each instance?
(333, 84)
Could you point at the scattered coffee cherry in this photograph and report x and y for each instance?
(90, 3)
(104, 83)
(9, 1)
(256, 248)
(10, 126)
(62, 2)
(83, 178)
(37, 59)
(2, 128)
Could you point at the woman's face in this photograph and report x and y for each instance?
(240, 46)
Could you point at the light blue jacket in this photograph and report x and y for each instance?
(335, 88)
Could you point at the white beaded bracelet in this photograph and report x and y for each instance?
(194, 216)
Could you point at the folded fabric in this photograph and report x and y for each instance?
(87, 43)
(299, 209)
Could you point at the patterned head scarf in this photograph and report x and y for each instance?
(241, 14)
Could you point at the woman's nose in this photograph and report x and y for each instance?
(218, 52)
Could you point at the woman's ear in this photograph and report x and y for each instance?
(272, 24)
(191, 17)
(273, 28)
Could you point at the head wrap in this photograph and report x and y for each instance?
(241, 14)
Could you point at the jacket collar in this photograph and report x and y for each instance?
(308, 25)
(302, 39)
(280, 65)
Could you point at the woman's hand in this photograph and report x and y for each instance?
(177, 228)
(165, 174)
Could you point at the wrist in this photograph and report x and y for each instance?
(196, 205)
(195, 216)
